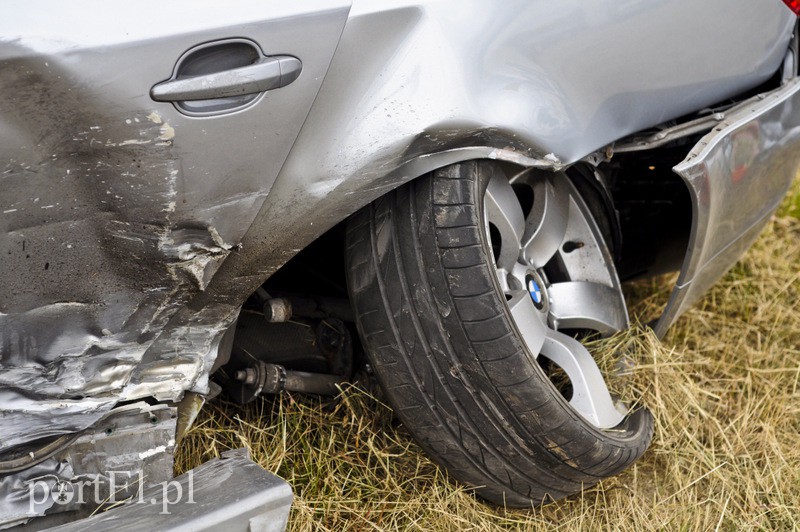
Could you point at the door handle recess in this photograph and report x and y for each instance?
(266, 74)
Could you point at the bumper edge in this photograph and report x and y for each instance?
(737, 176)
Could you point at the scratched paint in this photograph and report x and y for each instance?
(97, 259)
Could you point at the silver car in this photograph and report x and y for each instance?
(250, 197)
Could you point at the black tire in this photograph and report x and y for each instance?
(449, 359)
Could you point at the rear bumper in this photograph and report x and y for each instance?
(737, 175)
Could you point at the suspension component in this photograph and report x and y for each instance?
(265, 378)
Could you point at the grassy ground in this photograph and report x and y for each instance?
(723, 387)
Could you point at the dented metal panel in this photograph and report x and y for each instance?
(230, 493)
(132, 233)
(117, 209)
(127, 451)
(737, 175)
(541, 84)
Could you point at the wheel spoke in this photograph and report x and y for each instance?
(547, 223)
(586, 305)
(590, 397)
(528, 244)
(529, 321)
(505, 213)
(502, 280)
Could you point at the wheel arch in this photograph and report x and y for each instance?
(430, 89)
(289, 221)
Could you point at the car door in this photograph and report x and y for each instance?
(138, 141)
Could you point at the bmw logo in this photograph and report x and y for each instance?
(536, 293)
(537, 289)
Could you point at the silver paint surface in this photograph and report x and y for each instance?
(230, 493)
(117, 209)
(737, 176)
(131, 234)
(130, 448)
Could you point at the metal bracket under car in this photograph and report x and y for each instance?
(118, 475)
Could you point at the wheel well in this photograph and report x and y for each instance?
(653, 209)
(643, 208)
(318, 269)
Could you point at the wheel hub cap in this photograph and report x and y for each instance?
(582, 293)
(536, 288)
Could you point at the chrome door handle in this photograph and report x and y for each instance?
(266, 74)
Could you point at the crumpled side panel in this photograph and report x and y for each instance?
(95, 257)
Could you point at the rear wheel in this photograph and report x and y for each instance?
(465, 284)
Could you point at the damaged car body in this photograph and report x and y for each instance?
(165, 188)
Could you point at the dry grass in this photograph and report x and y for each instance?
(723, 387)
